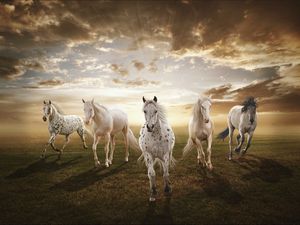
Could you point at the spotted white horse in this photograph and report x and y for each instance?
(61, 124)
(201, 129)
(156, 142)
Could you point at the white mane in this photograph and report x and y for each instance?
(97, 105)
(160, 110)
(58, 109)
(197, 106)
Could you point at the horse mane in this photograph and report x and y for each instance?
(160, 110)
(58, 109)
(100, 106)
(249, 101)
(196, 109)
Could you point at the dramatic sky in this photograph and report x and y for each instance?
(119, 51)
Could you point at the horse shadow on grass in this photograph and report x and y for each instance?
(154, 217)
(267, 170)
(42, 165)
(217, 186)
(87, 178)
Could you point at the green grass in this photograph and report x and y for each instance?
(263, 187)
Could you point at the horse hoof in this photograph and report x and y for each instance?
(42, 156)
(126, 159)
(237, 150)
(107, 164)
(110, 162)
(210, 167)
(97, 164)
(152, 199)
(85, 147)
(168, 191)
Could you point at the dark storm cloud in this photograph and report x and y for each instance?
(11, 68)
(219, 26)
(273, 94)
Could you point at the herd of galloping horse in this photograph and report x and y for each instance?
(157, 139)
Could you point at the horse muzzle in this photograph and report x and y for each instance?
(150, 128)
(45, 118)
(206, 121)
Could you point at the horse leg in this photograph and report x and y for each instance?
(238, 137)
(201, 155)
(151, 176)
(106, 148)
(96, 141)
(80, 132)
(125, 134)
(51, 139)
(65, 144)
(165, 164)
(231, 130)
(249, 138)
(238, 148)
(209, 142)
(112, 148)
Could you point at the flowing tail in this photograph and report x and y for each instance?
(223, 134)
(189, 146)
(132, 141)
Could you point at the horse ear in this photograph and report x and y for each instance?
(83, 101)
(244, 109)
(50, 102)
(155, 99)
(144, 100)
(45, 102)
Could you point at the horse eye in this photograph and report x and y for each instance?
(155, 111)
(144, 111)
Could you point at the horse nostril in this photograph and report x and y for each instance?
(44, 118)
(152, 126)
(251, 121)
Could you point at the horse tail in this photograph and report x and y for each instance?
(223, 134)
(132, 141)
(189, 146)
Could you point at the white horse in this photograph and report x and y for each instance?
(156, 142)
(243, 117)
(61, 124)
(107, 123)
(201, 129)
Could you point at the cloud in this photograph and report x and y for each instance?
(138, 65)
(51, 82)
(119, 69)
(152, 67)
(135, 83)
(12, 68)
(219, 92)
(274, 94)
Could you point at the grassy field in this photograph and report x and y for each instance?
(263, 187)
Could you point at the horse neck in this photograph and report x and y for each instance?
(197, 114)
(100, 113)
(54, 115)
